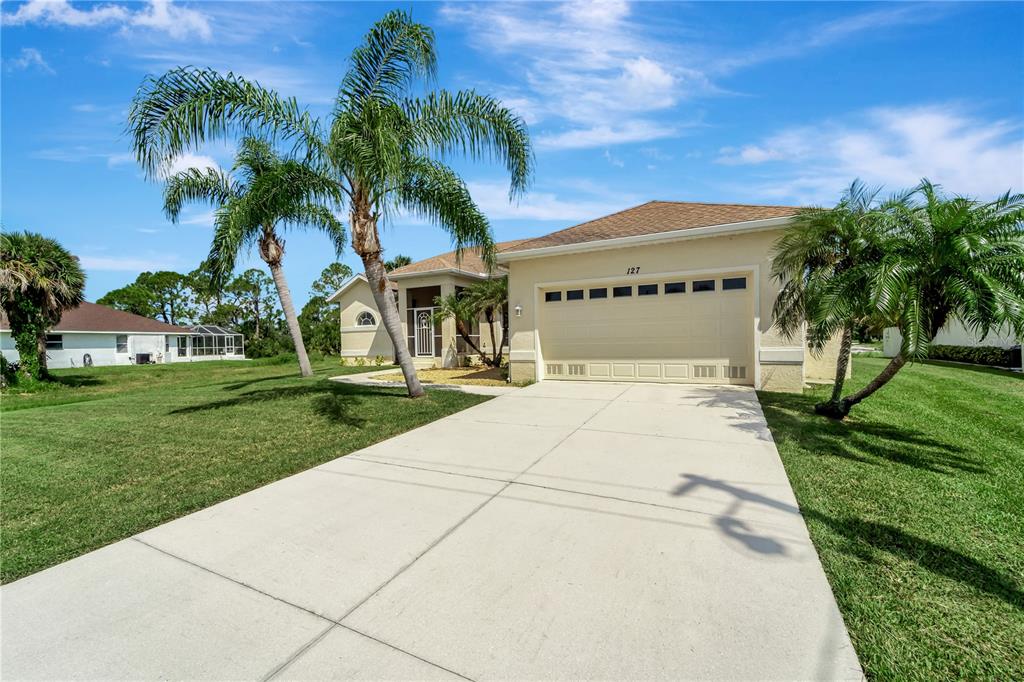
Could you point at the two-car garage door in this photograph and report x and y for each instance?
(675, 329)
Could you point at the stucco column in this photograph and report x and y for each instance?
(449, 357)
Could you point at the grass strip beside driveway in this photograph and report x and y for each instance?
(916, 506)
(118, 450)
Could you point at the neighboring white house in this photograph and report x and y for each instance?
(94, 334)
(955, 333)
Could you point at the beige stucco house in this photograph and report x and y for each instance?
(415, 287)
(662, 292)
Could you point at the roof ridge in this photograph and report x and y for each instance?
(714, 203)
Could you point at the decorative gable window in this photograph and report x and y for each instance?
(366, 319)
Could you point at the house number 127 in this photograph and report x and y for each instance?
(635, 270)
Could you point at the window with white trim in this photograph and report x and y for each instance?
(122, 343)
(366, 319)
(732, 283)
(54, 342)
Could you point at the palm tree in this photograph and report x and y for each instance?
(272, 193)
(382, 144)
(398, 261)
(39, 280)
(824, 262)
(490, 298)
(942, 258)
(458, 307)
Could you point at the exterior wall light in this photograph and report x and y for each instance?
(519, 311)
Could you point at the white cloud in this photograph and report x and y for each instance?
(29, 58)
(492, 198)
(62, 13)
(204, 219)
(186, 161)
(895, 147)
(161, 16)
(126, 263)
(604, 135)
(587, 66)
(873, 23)
(613, 160)
(177, 22)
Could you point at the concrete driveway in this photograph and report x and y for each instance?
(564, 531)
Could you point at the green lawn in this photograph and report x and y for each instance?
(916, 507)
(113, 451)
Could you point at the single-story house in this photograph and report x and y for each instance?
(415, 287)
(661, 292)
(955, 333)
(94, 334)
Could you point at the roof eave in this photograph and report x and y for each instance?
(439, 271)
(333, 298)
(642, 239)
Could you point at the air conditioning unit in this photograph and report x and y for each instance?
(142, 358)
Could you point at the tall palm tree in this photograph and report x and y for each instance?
(39, 280)
(946, 257)
(824, 261)
(382, 144)
(270, 194)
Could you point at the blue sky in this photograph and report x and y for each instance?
(747, 103)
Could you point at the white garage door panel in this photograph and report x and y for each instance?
(703, 337)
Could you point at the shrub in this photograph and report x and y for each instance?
(360, 362)
(8, 372)
(975, 355)
(343, 361)
(379, 360)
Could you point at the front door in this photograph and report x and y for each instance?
(424, 320)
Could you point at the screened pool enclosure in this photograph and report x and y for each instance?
(209, 340)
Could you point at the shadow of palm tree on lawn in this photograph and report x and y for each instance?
(864, 442)
(334, 401)
(868, 537)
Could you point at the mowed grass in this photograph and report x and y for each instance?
(916, 507)
(113, 451)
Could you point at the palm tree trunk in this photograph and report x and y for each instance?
(289, 315)
(832, 406)
(495, 350)
(377, 277)
(881, 380)
(460, 327)
(366, 243)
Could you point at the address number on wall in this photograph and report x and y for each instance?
(634, 270)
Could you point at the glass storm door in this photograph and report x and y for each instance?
(424, 332)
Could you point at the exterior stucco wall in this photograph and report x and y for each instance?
(744, 252)
(101, 347)
(362, 341)
(821, 366)
(953, 334)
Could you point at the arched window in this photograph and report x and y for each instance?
(366, 319)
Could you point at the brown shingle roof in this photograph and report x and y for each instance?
(90, 317)
(470, 261)
(655, 217)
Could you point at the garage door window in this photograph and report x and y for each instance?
(598, 293)
(730, 283)
(703, 285)
(619, 292)
(675, 287)
(552, 296)
(647, 290)
(574, 295)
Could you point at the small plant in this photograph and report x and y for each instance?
(360, 362)
(379, 360)
(343, 362)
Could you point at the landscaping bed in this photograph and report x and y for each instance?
(469, 376)
(916, 504)
(112, 451)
